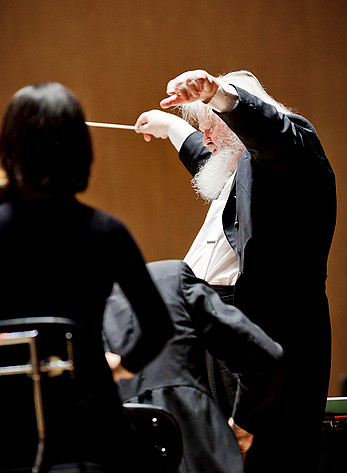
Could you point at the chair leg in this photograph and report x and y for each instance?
(38, 465)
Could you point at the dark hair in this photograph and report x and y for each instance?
(45, 146)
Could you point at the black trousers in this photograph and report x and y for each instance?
(223, 383)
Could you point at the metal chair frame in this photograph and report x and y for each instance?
(54, 367)
(150, 420)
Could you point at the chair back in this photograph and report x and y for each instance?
(60, 398)
(161, 432)
(47, 374)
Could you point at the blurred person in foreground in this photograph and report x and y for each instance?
(177, 379)
(60, 258)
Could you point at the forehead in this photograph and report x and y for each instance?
(206, 120)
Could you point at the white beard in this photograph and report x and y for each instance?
(214, 174)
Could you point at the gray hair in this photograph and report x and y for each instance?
(243, 79)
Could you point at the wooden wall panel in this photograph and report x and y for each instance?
(117, 56)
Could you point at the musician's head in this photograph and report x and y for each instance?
(224, 144)
(45, 146)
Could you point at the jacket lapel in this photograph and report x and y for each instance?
(237, 218)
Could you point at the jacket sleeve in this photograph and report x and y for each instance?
(273, 138)
(226, 332)
(193, 153)
(120, 325)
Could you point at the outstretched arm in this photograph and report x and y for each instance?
(272, 137)
(186, 88)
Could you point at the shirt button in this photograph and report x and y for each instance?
(236, 224)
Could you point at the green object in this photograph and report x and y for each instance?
(336, 405)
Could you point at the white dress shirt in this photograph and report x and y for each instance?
(211, 256)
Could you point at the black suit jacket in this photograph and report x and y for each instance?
(280, 219)
(177, 380)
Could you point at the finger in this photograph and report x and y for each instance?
(172, 84)
(139, 125)
(141, 128)
(183, 94)
(178, 100)
(203, 84)
(142, 120)
(177, 87)
(194, 87)
(170, 101)
(145, 130)
(191, 91)
(113, 359)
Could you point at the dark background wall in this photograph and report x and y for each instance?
(117, 56)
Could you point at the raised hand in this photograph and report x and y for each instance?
(189, 87)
